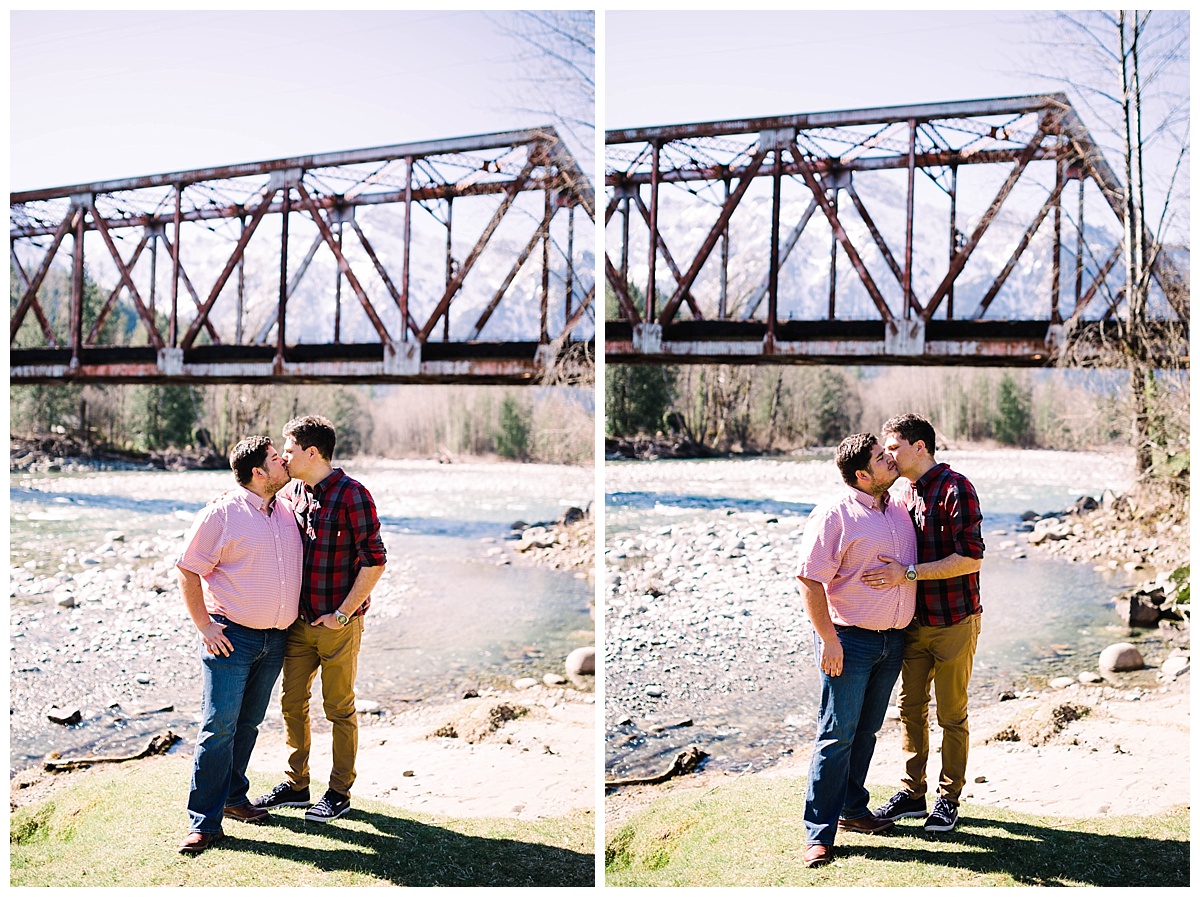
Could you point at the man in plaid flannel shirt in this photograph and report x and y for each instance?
(940, 641)
(343, 560)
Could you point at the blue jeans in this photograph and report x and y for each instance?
(237, 690)
(852, 711)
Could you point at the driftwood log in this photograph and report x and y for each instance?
(159, 744)
(682, 763)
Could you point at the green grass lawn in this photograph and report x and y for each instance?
(122, 827)
(750, 832)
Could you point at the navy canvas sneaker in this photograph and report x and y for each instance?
(901, 806)
(282, 796)
(943, 818)
(329, 807)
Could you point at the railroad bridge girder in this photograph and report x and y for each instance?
(458, 260)
(698, 270)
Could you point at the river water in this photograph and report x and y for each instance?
(704, 622)
(456, 608)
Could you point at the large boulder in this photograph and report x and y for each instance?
(1120, 658)
(1137, 609)
(572, 515)
(582, 662)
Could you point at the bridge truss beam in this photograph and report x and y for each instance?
(752, 187)
(205, 286)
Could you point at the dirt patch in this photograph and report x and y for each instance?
(1041, 723)
(480, 723)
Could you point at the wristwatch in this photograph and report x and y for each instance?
(343, 620)
(911, 573)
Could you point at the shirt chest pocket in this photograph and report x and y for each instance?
(327, 524)
(935, 522)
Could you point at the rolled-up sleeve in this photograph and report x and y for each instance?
(966, 520)
(820, 548)
(364, 525)
(203, 544)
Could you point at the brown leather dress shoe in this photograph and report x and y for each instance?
(817, 855)
(198, 842)
(247, 813)
(867, 825)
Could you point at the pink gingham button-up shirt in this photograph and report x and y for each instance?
(249, 558)
(842, 540)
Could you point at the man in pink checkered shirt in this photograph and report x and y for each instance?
(240, 574)
(859, 637)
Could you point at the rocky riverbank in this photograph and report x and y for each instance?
(105, 641)
(520, 754)
(566, 543)
(1146, 530)
(1147, 533)
(651, 449)
(700, 614)
(65, 454)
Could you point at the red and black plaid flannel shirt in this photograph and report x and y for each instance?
(341, 536)
(945, 511)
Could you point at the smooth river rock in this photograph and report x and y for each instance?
(582, 662)
(1120, 658)
(1175, 666)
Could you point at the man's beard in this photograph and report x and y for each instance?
(879, 488)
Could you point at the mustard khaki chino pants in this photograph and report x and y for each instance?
(335, 654)
(941, 656)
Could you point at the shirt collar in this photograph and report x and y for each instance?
(256, 500)
(868, 501)
(929, 476)
(326, 484)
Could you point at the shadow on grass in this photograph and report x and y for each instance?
(410, 853)
(1036, 855)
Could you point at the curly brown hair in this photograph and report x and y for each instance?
(854, 454)
(248, 454)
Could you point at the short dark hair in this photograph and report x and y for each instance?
(248, 454)
(312, 431)
(912, 428)
(854, 454)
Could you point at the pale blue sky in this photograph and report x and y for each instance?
(670, 68)
(100, 95)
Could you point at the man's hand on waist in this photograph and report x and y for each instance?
(215, 642)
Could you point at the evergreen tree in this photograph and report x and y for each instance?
(836, 407)
(512, 437)
(636, 398)
(164, 416)
(40, 408)
(1012, 421)
(352, 423)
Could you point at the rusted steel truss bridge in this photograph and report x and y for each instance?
(403, 263)
(984, 232)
